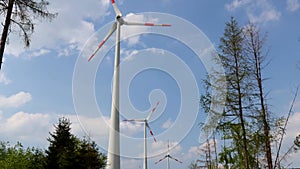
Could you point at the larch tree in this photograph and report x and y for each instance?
(20, 15)
(254, 43)
(237, 71)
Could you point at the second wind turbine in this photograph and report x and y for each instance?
(146, 125)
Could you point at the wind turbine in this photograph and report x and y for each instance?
(113, 158)
(146, 125)
(168, 156)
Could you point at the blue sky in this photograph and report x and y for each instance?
(37, 84)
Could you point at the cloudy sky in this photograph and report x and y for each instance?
(52, 78)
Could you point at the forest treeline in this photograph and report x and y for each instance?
(65, 151)
(250, 134)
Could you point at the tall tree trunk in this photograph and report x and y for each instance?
(5, 29)
(254, 44)
(241, 115)
(264, 113)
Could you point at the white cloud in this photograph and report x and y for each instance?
(292, 5)
(258, 11)
(32, 129)
(161, 147)
(195, 151)
(39, 52)
(4, 79)
(129, 30)
(131, 163)
(73, 25)
(293, 128)
(26, 127)
(129, 128)
(265, 16)
(15, 100)
(128, 55)
(167, 124)
(94, 127)
(236, 4)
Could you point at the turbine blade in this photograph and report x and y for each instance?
(160, 159)
(168, 146)
(152, 111)
(130, 120)
(147, 125)
(111, 31)
(144, 24)
(134, 120)
(175, 159)
(116, 9)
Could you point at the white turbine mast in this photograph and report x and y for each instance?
(168, 157)
(113, 158)
(146, 125)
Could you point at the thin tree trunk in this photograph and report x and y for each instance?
(284, 128)
(215, 149)
(241, 116)
(256, 47)
(264, 113)
(5, 30)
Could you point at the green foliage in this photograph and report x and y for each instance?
(16, 157)
(67, 151)
(64, 152)
(193, 165)
(245, 121)
(89, 156)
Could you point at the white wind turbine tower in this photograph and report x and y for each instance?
(113, 158)
(168, 156)
(146, 125)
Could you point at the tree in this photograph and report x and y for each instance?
(245, 123)
(90, 158)
(21, 13)
(66, 151)
(193, 165)
(254, 46)
(236, 67)
(16, 157)
(62, 151)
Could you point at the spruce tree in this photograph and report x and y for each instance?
(90, 158)
(63, 148)
(66, 151)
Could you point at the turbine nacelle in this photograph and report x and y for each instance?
(168, 156)
(121, 21)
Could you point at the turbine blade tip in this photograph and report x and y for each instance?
(90, 58)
